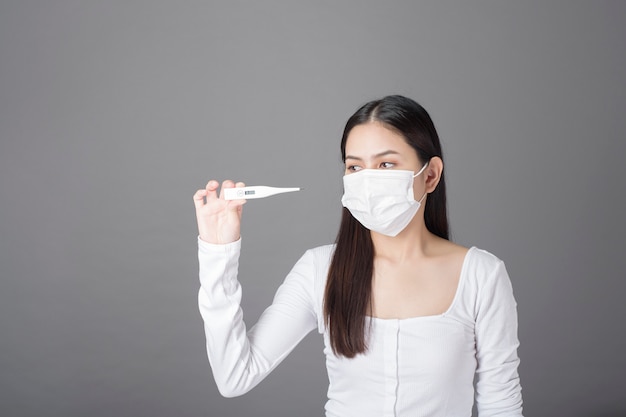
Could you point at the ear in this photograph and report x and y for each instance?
(432, 173)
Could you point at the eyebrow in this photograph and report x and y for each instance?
(378, 155)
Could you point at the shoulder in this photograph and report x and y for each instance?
(314, 263)
(483, 270)
(317, 261)
(486, 274)
(322, 251)
(481, 260)
(310, 269)
(320, 256)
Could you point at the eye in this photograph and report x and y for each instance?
(353, 168)
(387, 165)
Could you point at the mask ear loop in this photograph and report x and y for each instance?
(421, 170)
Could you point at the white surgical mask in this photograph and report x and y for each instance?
(381, 200)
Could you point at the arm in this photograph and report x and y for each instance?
(240, 359)
(498, 390)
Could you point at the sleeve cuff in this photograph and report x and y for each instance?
(214, 248)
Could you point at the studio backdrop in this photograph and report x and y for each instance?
(112, 114)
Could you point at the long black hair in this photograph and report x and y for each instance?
(347, 298)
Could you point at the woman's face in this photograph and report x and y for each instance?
(374, 146)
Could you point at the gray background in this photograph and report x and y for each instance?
(113, 113)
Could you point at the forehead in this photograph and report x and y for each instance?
(373, 138)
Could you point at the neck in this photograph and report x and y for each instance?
(413, 242)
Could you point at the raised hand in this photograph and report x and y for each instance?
(219, 220)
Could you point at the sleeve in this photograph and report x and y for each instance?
(498, 390)
(240, 359)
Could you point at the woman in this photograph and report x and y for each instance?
(409, 319)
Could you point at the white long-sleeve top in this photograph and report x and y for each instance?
(422, 366)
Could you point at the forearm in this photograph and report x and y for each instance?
(235, 369)
(241, 359)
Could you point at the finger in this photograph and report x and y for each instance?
(226, 184)
(211, 189)
(198, 198)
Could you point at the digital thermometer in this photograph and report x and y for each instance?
(258, 191)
